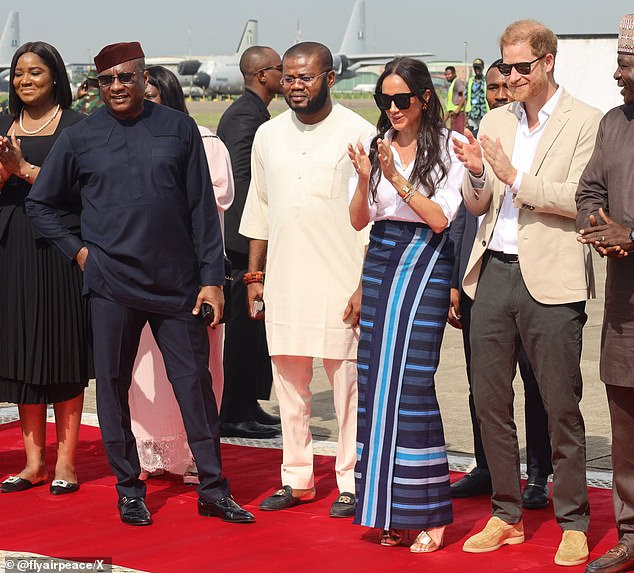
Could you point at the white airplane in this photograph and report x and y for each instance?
(220, 75)
(10, 39)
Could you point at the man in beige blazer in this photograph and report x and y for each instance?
(530, 278)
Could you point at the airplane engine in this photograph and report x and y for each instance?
(188, 67)
(201, 80)
(340, 65)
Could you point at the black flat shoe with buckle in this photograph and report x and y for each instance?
(14, 484)
(61, 486)
(282, 499)
(344, 505)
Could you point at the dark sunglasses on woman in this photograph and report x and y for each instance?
(401, 101)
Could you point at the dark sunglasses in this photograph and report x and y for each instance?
(523, 68)
(124, 78)
(401, 101)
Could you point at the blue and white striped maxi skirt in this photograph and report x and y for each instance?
(402, 474)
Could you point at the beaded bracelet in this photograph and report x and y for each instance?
(256, 277)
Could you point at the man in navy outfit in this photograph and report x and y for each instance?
(151, 251)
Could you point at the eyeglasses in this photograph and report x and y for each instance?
(523, 68)
(288, 81)
(124, 78)
(401, 101)
(277, 68)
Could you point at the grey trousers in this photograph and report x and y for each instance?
(621, 402)
(503, 314)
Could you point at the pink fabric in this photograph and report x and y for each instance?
(156, 419)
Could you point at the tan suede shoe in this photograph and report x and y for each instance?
(496, 533)
(573, 549)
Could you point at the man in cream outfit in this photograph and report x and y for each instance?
(296, 216)
(530, 278)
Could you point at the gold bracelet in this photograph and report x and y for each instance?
(407, 192)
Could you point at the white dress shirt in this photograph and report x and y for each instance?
(504, 238)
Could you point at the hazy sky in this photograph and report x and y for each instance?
(80, 28)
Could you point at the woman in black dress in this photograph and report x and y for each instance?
(45, 355)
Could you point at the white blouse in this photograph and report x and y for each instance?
(389, 205)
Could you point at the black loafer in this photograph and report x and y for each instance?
(535, 495)
(226, 509)
(14, 484)
(619, 558)
(344, 505)
(248, 429)
(476, 482)
(282, 499)
(61, 486)
(133, 511)
(263, 417)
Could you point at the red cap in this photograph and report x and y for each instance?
(115, 54)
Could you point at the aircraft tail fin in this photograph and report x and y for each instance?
(10, 39)
(249, 36)
(354, 38)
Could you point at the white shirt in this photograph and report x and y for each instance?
(504, 237)
(298, 202)
(389, 205)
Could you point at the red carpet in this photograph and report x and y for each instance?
(303, 539)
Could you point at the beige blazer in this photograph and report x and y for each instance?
(555, 267)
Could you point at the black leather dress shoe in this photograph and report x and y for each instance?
(283, 498)
(618, 559)
(535, 495)
(476, 482)
(226, 509)
(263, 417)
(133, 511)
(249, 429)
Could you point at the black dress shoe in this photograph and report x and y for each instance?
(476, 482)
(226, 509)
(133, 511)
(14, 484)
(61, 486)
(263, 417)
(283, 498)
(618, 559)
(249, 429)
(344, 505)
(535, 495)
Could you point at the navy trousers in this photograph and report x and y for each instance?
(184, 346)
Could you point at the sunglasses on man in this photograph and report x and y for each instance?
(124, 78)
(523, 68)
(401, 101)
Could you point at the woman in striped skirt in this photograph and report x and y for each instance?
(408, 184)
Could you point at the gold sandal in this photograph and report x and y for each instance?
(391, 538)
(424, 543)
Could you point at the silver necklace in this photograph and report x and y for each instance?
(44, 125)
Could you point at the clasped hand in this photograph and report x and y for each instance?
(10, 156)
(609, 238)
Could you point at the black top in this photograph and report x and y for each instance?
(149, 219)
(237, 129)
(34, 150)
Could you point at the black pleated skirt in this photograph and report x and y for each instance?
(45, 336)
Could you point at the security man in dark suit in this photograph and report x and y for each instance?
(247, 365)
(150, 238)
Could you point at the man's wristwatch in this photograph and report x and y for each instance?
(632, 235)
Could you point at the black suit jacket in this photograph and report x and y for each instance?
(237, 129)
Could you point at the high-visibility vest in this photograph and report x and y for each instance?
(451, 106)
(467, 107)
